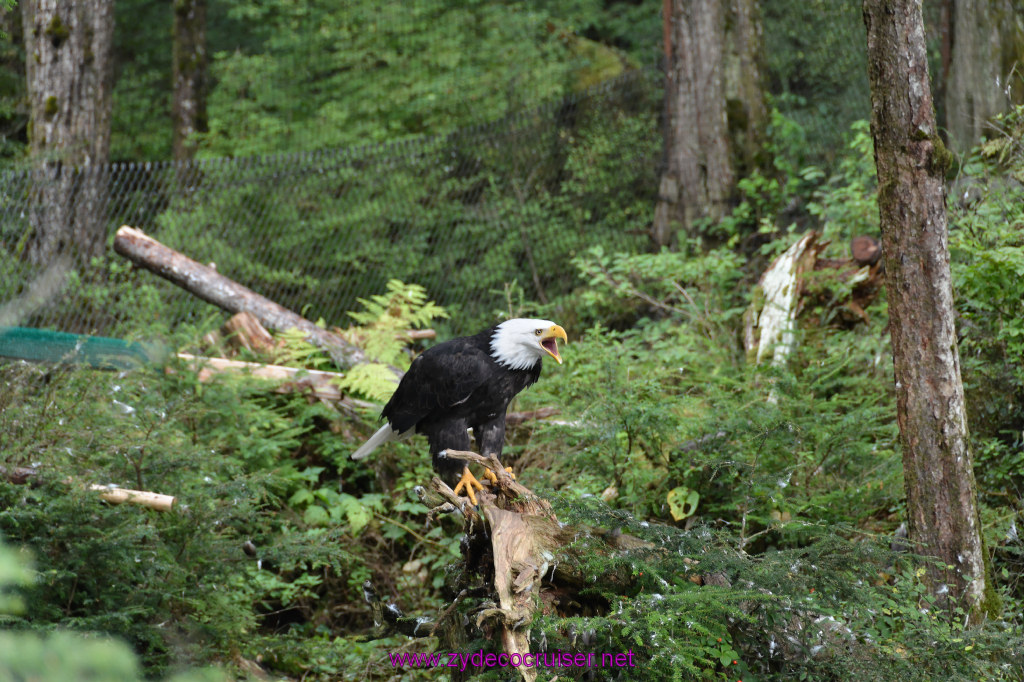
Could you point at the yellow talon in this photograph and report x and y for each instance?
(493, 478)
(468, 482)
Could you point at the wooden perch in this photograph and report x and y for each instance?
(109, 493)
(213, 287)
(518, 563)
(530, 564)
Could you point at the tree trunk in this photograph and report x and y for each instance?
(188, 110)
(984, 77)
(698, 176)
(744, 88)
(911, 162)
(68, 46)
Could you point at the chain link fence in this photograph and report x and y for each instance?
(465, 215)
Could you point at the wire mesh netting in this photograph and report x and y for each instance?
(464, 215)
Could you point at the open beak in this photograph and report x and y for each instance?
(548, 341)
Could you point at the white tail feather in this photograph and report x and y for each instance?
(383, 435)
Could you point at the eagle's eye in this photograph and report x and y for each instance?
(538, 332)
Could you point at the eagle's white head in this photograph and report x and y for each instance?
(519, 343)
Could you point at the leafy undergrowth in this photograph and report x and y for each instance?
(769, 497)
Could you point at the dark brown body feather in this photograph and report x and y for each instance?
(454, 386)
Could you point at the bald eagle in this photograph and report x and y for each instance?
(465, 383)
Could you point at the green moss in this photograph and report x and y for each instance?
(941, 159)
(57, 31)
(991, 604)
(886, 193)
(50, 107)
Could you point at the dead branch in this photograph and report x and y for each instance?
(318, 383)
(420, 334)
(108, 493)
(213, 287)
(143, 498)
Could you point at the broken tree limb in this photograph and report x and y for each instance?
(213, 287)
(143, 498)
(320, 384)
(108, 493)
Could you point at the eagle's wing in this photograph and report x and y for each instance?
(438, 380)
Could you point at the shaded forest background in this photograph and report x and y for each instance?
(500, 159)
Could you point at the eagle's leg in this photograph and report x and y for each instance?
(490, 437)
(470, 484)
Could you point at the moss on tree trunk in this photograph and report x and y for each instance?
(68, 48)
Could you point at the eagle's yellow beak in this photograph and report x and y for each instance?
(548, 341)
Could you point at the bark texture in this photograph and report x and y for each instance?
(698, 177)
(744, 85)
(984, 77)
(188, 111)
(68, 46)
(911, 162)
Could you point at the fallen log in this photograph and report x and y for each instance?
(211, 286)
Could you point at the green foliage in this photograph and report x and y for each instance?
(987, 251)
(815, 61)
(822, 610)
(768, 195)
(61, 655)
(846, 205)
(323, 75)
(383, 334)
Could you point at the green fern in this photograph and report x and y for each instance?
(382, 334)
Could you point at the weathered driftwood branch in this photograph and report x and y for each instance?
(213, 287)
(109, 493)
